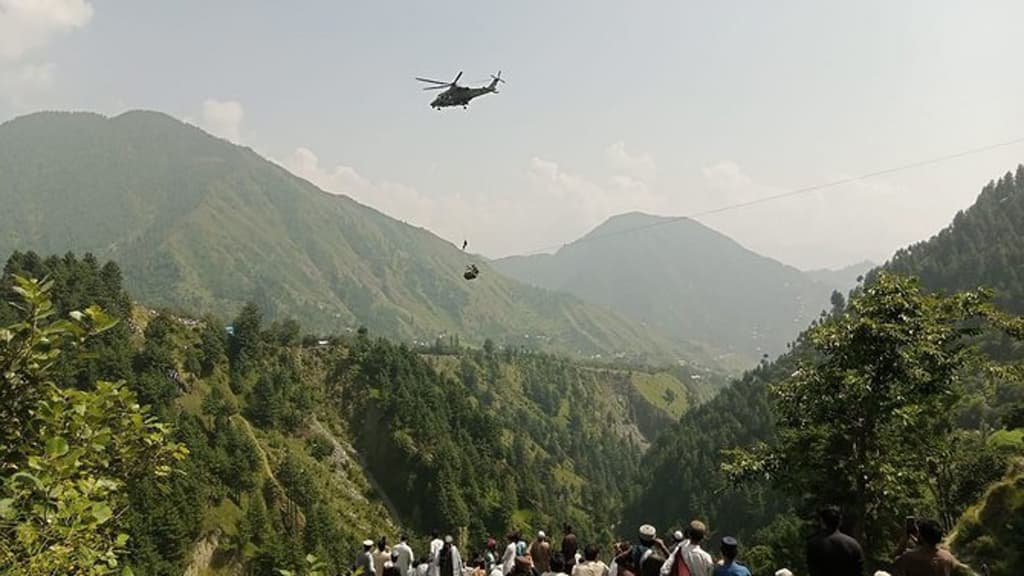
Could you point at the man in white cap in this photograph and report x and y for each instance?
(448, 561)
(364, 560)
(786, 572)
(649, 545)
(540, 553)
(677, 539)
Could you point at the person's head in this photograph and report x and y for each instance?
(367, 545)
(830, 518)
(479, 563)
(404, 538)
(590, 553)
(491, 544)
(382, 543)
(448, 540)
(557, 562)
(512, 536)
(435, 534)
(541, 536)
(696, 532)
(930, 531)
(730, 548)
(567, 529)
(647, 534)
(783, 572)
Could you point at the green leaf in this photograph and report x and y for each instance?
(56, 447)
(7, 510)
(101, 512)
(26, 477)
(126, 571)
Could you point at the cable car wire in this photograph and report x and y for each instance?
(788, 194)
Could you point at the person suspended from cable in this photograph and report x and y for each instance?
(464, 244)
(471, 272)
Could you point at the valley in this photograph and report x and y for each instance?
(332, 377)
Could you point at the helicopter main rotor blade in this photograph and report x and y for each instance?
(432, 81)
(436, 87)
(456, 81)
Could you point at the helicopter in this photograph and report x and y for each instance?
(456, 95)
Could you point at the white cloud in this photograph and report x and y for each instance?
(394, 199)
(21, 83)
(223, 118)
(553, 206)
(29, 24)
(823, 228)
(640, 167)
(578, 203)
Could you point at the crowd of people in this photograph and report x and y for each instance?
(829, 553)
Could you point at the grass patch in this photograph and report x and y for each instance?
(225, 515)
(1007, 439)
(663, 391)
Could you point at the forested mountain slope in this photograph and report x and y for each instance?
(681, 475)
(298, 446)
(984, 246)
(198, 223)
(683, 278)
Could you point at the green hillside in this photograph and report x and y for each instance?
(203, 225)
(683, 477)
(300, 447)
(990, 532)
(684, 279)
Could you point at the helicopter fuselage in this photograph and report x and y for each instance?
(458, 96)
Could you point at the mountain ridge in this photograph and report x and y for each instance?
(201, 224)
(681, 277)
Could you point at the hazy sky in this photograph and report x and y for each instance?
(666, 107)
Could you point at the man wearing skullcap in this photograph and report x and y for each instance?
(729, 566)
(540, 552)
(364, 560)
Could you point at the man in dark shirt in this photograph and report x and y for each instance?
(832, 553)
(569, 548)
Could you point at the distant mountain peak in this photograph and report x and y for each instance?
(678, 275)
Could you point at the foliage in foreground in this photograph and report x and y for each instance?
(67, 455)
(867, 422)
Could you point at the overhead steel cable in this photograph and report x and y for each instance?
(788, 194)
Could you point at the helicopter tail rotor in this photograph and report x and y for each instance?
(495, 80)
